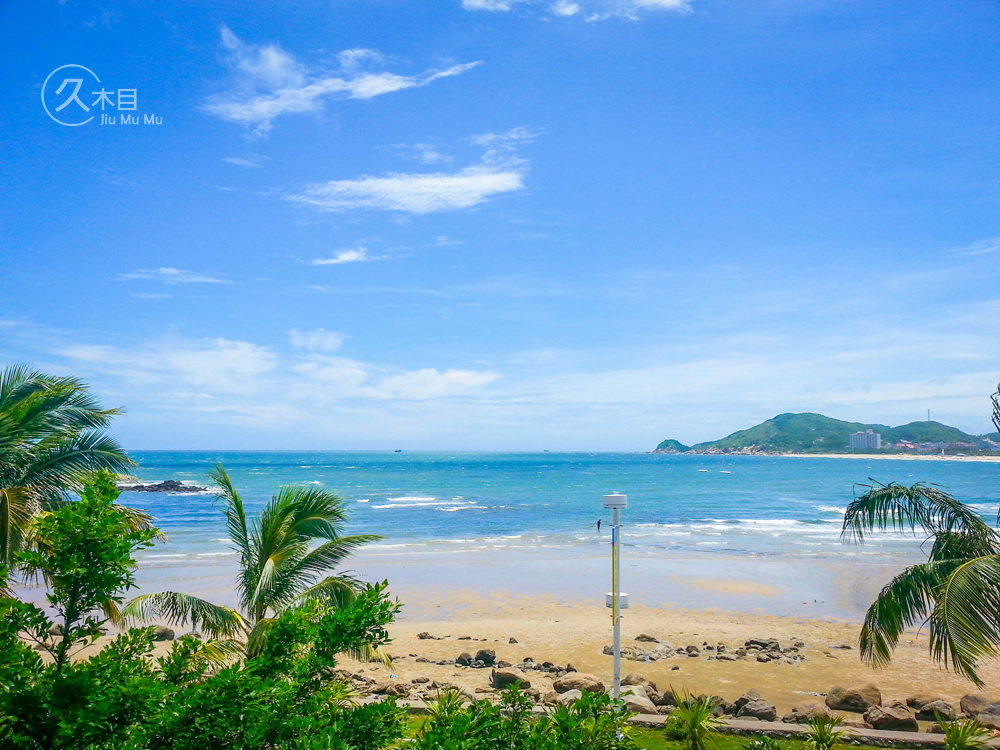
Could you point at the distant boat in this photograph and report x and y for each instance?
(398, 450)
(702, 469)
(723, 471)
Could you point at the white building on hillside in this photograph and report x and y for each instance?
(866, 439)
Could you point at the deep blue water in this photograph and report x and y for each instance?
(728, 505)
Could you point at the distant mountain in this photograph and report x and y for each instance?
(815, 433)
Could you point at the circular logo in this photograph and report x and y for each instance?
(66, 92)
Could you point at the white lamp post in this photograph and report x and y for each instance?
(615, 600)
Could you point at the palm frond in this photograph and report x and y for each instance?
(337, 591)
(905, 600)
(905, 508)
(179, 609)
(965, 623)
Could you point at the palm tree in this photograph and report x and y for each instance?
(52, 437)
(956, 592)
(280, 567)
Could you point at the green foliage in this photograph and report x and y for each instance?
(672, 446)
(968, 734)
(762, 743)
(592, 723)
(52, 438)
(83, 551)
(693, 722)
(822, 732)
(281, 566)
(815, 433)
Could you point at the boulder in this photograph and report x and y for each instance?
(920, 700)
(894, 718)
(858, 698)
(692, 650)
(420, 680)
(638, 679)
(803, 713)
(974, 704)
(550, 698)
(512, 640)
(487, 656)
(501, 678)
(759, 709)
(56, 629)
(395, 689)
(161, 633)
(635, 700)
(930, 711)
(666, 699)
(464, 659)
(646, 638)
(578, 681)
(425, 636)
(763, 658)
(570, 696)
(749, 695)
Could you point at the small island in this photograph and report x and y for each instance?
(818, 434)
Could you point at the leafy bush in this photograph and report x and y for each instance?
(692, 722)
(592, 723)
(285, 698)
(762, 743)
(822, 732)
(964, 735)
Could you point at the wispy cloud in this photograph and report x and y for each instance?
(981, 247)
(316, 341)
(152, 296)
(591, 10)
(269, 82)
(498, 171)
(425, 153)
(429, 383)
(349, 255)
(172, 276)
(240, 161)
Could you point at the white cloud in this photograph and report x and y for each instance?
(426, 153)
(412, 193)
(499, 171)
(565, 8)
(429, 383)
(981, 247)
(270, 82)
(316, 341)
(172, 276)
(350, 255)
(597, 10)
(152, 296)
(240, 161)
(492, 5)
(218, 364)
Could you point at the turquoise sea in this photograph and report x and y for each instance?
(724, 506)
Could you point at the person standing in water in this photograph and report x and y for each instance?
(598, 524)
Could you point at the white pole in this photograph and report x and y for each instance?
(616, 524)
(616, 600)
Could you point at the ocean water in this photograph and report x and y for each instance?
(720, 506)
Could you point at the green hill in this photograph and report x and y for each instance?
(815, 433)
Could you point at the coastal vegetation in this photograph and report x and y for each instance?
(956, 591)
(53, 437)
(281, 565)
(815, 433)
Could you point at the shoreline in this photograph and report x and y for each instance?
(877, 456)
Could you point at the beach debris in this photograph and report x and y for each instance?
(858, 698)
(501, 678)
(646, 638)
(803, 713)
(465, 638)
(161, 633)
(422, 660)
(578, 681)
(896, 718)
(843, 647)
(636, 700)
(974, 704)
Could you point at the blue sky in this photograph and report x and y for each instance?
(504, 225)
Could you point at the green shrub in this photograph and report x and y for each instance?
(964, 735)
(822, 732)
(762, 743)
(693, 721)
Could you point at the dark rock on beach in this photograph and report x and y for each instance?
(857, 698)
(895, 718)
(170, 485)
